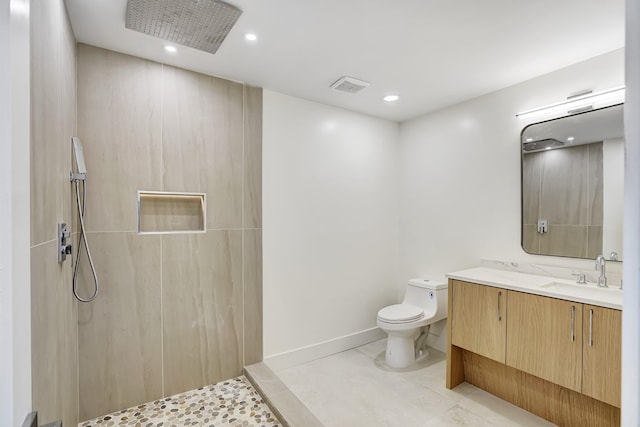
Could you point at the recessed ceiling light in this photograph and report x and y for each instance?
(391, 98)
(570, 139)
(170, 49)
(250, 37)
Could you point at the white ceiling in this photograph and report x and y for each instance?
(433, 53)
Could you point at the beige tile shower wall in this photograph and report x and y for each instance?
(594, 241)
(252, 274)
(252, 158)
(564, 187)
(202, 308)
(175, 312)
(596, 200)
(595, 177)
(120, 333)
(54, 339)
(252, 236)
(119, 113)
(531, 181)
(202, 142)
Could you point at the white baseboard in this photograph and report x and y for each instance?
(316, 351)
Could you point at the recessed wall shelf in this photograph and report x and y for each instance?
(161, 212)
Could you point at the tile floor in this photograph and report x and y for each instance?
(228, 403)
(353, 389)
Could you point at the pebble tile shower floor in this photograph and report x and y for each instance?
(228, 403)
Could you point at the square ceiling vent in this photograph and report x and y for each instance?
(199, 24)
(349, 85)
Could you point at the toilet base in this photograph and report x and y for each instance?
(400, 352)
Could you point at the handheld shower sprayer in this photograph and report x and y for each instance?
(80, 176)
(78, 155)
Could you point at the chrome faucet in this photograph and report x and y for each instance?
(601, 266)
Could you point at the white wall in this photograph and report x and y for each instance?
(330, 221)
(330, 185)
(460, 173)
(15, 331)
(6, 306)
(631, 304)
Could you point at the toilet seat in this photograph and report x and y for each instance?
(400, 313)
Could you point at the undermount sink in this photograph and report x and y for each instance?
(585, 291)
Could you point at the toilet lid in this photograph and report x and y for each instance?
(400, 313)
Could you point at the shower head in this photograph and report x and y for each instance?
(199, 24)
(78, 155)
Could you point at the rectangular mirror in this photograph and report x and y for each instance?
(573, 185)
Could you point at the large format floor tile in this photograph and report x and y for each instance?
(354, 388)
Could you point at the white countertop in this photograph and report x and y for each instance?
(542, 285)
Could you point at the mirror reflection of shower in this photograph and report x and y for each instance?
(80, 179)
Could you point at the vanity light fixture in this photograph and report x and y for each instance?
(170, 49)
(391, 98)
(577, 104)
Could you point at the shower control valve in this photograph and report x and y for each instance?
(64, 249)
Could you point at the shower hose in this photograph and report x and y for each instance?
(83, 238)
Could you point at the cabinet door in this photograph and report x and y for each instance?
(478, 322)
(544, 338)
(602, 355)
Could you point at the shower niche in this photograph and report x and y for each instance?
(161, 212)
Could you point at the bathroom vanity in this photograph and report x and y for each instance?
(548, 345)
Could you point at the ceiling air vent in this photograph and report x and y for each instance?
(200, 24)
(349, 85)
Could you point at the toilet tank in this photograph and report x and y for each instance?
(430, 295)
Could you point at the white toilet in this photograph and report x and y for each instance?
(424, 303)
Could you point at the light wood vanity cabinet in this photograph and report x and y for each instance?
(478, 323)
(601, 360)
(558, 359)
(544, 338)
